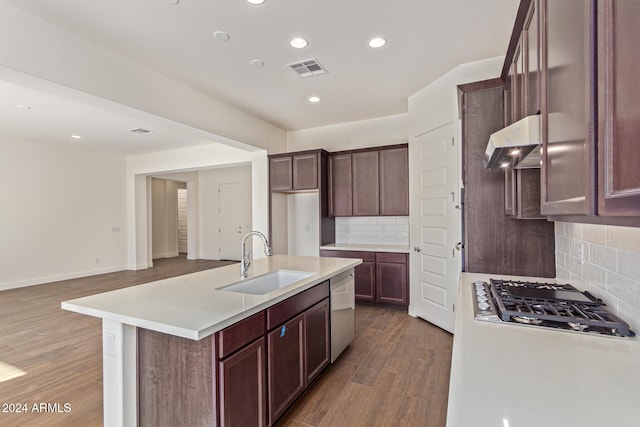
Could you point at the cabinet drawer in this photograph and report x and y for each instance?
(240, 334)
(288, 308)
(365, 256)
(391, 257)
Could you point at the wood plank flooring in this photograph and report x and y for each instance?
(60, 352)
(395, 373)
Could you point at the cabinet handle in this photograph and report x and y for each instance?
(417, 249)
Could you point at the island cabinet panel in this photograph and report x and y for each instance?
(286, 371)
(394, 182)
(296, 304)
(240, 334)
(317, 345)
(175, 380)
(366, 186)
(243, 393)
(340, 185)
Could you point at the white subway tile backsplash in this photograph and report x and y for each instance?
(373, 230)
(611, 266)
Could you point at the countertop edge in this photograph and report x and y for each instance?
(76, 305)
(365, 248)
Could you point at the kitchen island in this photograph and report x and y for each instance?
(507, 375)
(189, 329)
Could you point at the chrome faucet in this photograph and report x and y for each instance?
(246, 255)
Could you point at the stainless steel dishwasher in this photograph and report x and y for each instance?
(343, 307)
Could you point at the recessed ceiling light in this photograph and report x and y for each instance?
(377, 42)
(256, 1)
(221, 36)
(24, 107)
(257, 63)
(314, 99)
(140, 131)
(76, 136)
(298, 43)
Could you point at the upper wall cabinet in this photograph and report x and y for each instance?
(294, 171)
(369, 182)
(591, 114)
(618, 108)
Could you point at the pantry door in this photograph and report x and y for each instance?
(435, 226)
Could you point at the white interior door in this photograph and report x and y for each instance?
(235, 219)
(435, 226)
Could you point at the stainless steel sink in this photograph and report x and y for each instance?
(268, 282)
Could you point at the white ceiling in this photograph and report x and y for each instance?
(425, 39)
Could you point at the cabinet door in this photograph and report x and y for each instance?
(394, 181)
(340, 186)
(618, 108)
(365, 281)
(243, 397)
(305, 172)
(391, 279)
(287, 376)
(280, 173)
(567, 169)
(531, 37)
(366, 188)
(317, 347)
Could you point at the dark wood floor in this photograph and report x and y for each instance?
(395, 373)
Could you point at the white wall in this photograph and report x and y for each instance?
(611, 264)
(185, 160)
(210, 181)
(63, 60)
(351, 135)
(62, 213)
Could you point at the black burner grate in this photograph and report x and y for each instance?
(556, 305)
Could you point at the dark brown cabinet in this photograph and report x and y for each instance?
(369, 182)
(366, 185)
(340, 186)
(394, 181)
(392, 278)
(618, 108)
(567, 171)
(317, 346)
(287, 379)
(590, 113)
(243, 397)
(382, 278)
(294, 172)
(297, 346)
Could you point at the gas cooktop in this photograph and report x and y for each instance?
(551, 305)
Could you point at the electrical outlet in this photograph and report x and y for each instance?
(109, 345)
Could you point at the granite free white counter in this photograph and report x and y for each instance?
(505, 375)
(192, 306)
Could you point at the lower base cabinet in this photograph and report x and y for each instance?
(382, 278)
(248, 374)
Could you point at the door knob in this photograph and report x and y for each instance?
(417, 249)
(459, 246)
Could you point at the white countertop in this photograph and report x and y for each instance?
(505, 375)
(367, 248)
(191, 306)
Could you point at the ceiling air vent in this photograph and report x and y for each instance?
(308, 68)
(140, 131)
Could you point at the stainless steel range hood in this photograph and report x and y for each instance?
(523, 133)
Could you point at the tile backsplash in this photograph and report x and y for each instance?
(604, 260)
(380, 230)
